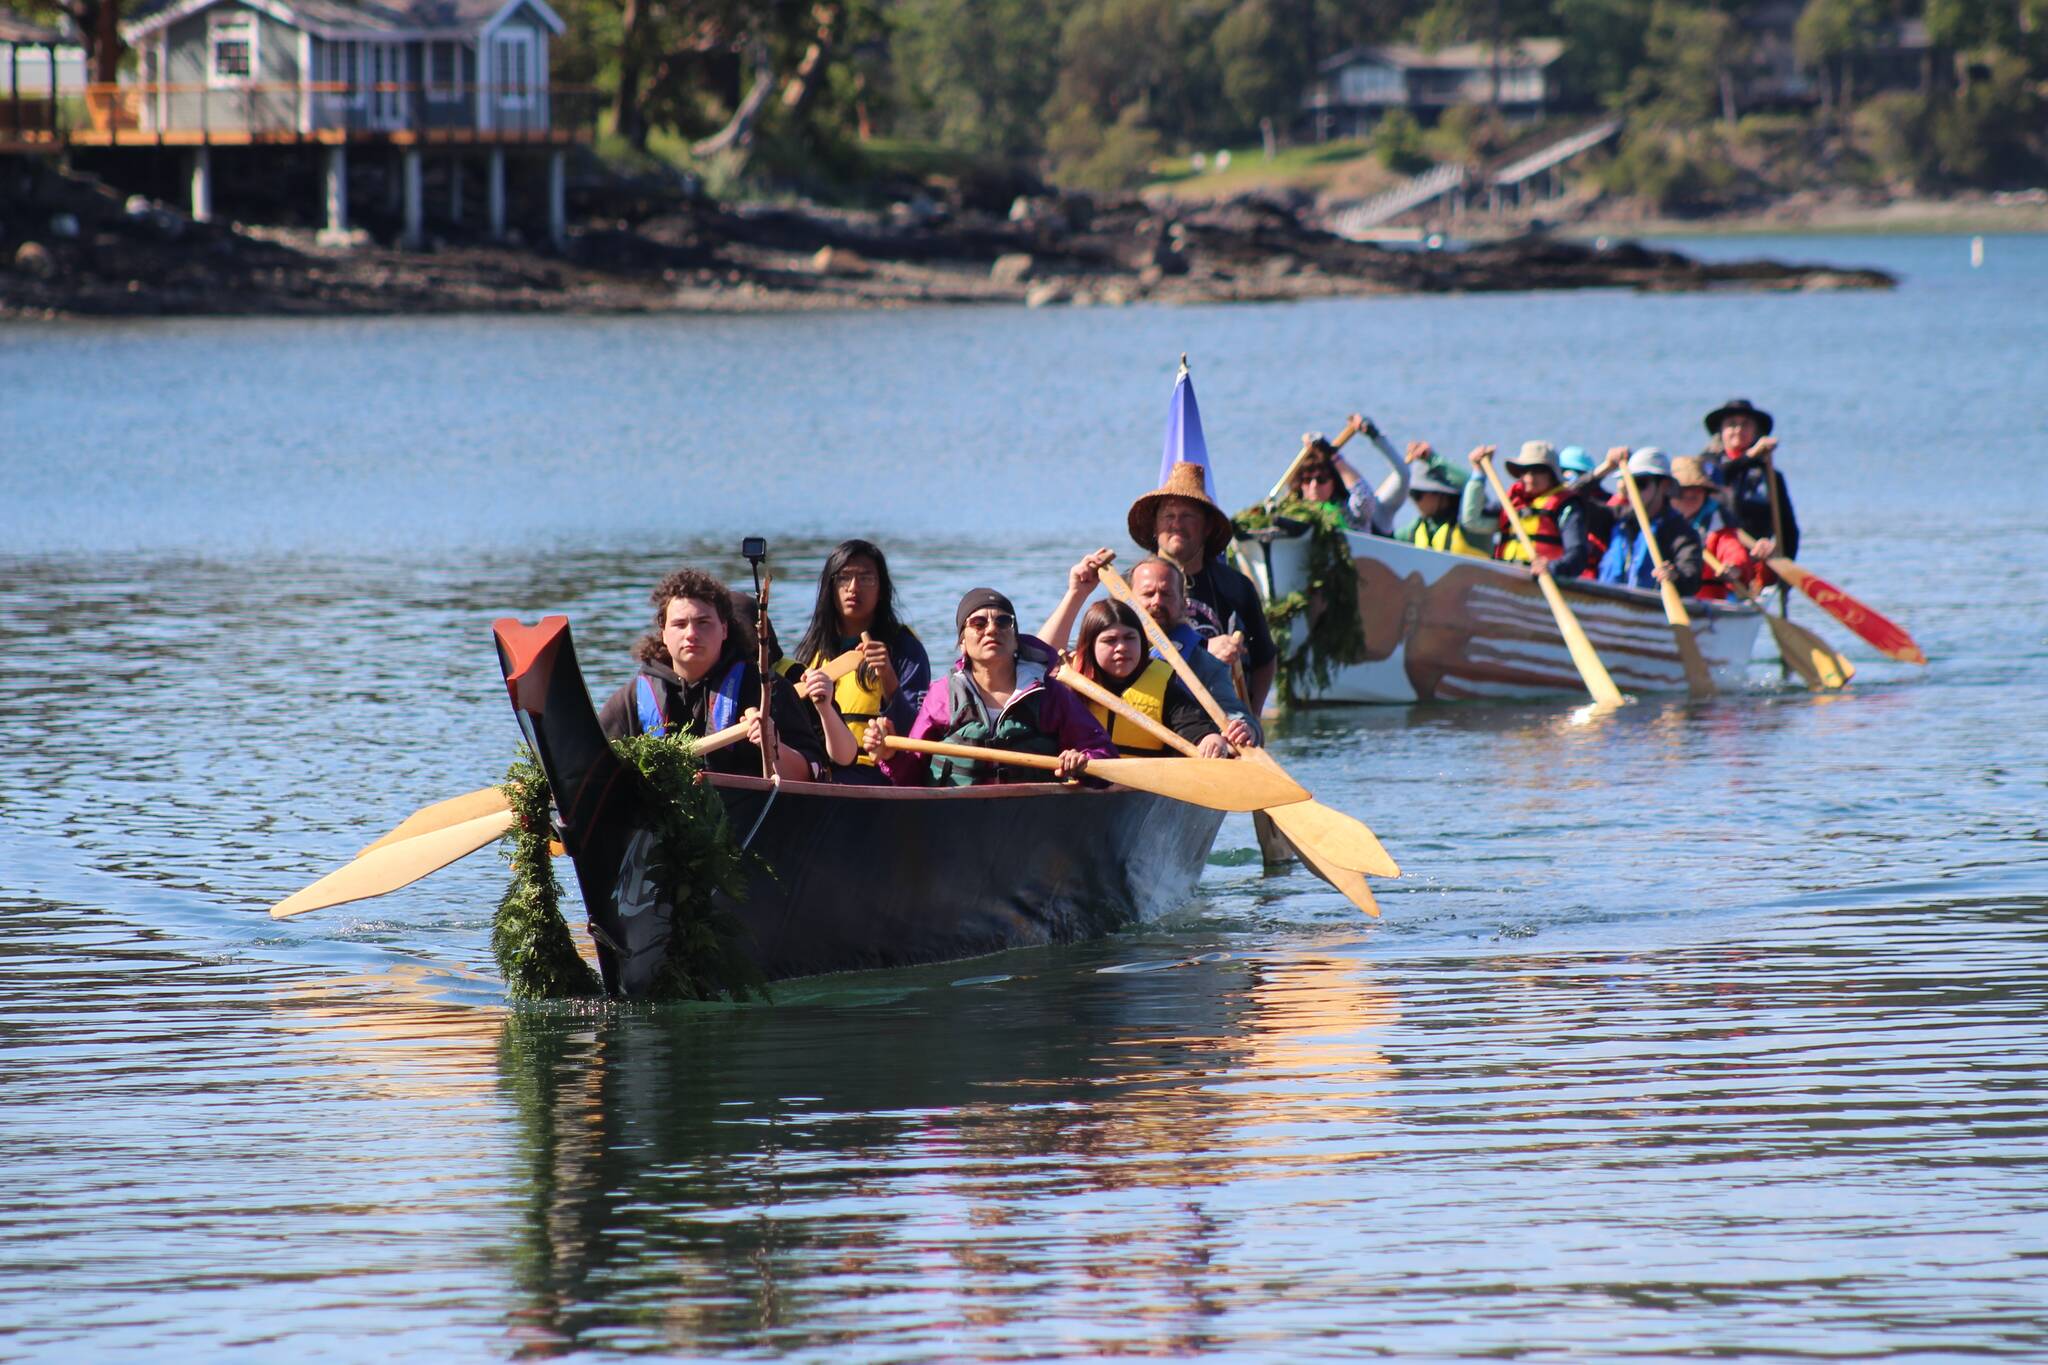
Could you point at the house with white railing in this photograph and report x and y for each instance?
(463, 80)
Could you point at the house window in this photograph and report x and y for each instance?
(231, 44)
(512, 68)
(338, 69)
(444, 70)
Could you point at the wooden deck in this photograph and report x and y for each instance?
(321, 137)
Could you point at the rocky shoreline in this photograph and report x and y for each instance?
(77, 249)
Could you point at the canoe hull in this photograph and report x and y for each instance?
(1444, 627)
(865, 877)
(849, 877)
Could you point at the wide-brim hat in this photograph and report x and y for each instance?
(1183, 481)
(1536, 455)
(1742, 407)
(1690, 471)
(1430, 483)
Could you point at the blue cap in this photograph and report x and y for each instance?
(1575, 460)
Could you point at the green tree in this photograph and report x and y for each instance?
(1258, 68)
(1830, 35)
(976, 74)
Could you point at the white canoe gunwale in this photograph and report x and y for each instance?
(1445, 627)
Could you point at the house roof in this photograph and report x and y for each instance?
(396, 17)
(1525, 52)
(20, 32)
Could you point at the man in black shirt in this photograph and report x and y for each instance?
(696, 677)
(1180, 523)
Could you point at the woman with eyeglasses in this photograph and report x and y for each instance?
(1113, 652)
(856, 609)
(1326, 477)
(999, 695)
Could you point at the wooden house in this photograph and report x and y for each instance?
(1353, 90)
(464, 79)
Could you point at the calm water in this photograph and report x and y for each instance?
(1701, 1030)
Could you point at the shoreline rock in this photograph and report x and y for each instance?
(686, 255)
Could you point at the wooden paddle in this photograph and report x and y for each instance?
(1331, 835)
(1598, 683)
(400, 860)
(1699, 679)
(487, 800)
(1803, 652)
(1340, 840)
(1351, 428)
(1889, 639)
(1213, 783)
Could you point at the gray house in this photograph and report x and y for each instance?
(313, 66)
(465, 77)
(1354, 89)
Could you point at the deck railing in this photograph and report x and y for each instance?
(143, 112)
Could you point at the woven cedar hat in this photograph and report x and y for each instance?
(1185, 481)
(1733, 407)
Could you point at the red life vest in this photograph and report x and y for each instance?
(1538, 515)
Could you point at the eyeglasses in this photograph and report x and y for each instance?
(991, 623)
(856, 578)
(1320, 476)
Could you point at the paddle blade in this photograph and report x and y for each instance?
(1334, 838)
(1344, 879)
(1888, 638)
(1599, 685)
(1215, 783)
(395, 865)
(456, 810)
(1809, 656)
(1699, 678)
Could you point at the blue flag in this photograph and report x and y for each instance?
(1184, 441)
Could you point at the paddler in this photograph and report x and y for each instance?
(1324, 476)
(1583, 484)
(999, 695)
(1627, 560)
(856, 609)
(1161, 591)
(1703, 504)
(1550, 516)
(1738, 457)
(696, 676)
(1112, 652)
(1179, 522)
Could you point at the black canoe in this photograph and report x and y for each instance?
(851, 877)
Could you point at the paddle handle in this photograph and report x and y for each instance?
(1717, 568)
(944, 750)
(1095, 691)
(1121, 591)
(1508, 508)
(1674, 606)
(1351, 428)
(1599, 683)
(722, 739)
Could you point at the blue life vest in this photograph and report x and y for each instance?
(725, 703)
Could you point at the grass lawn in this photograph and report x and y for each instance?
(1313, 166)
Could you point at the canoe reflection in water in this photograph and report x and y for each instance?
(912, 1154)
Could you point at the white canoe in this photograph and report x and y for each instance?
(1445, 627)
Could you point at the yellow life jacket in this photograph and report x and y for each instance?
(1539, 517)
(1147, 695)
(858, 703)
(1450, 537)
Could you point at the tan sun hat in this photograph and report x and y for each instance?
(1537, 455)
(1183, 481)
(1691, 472)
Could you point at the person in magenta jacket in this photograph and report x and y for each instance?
(999, 695)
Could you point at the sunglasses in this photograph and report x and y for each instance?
(991, 623)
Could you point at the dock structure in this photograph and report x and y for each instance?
(351, 81)
(1451, 182)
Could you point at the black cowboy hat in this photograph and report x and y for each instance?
(1744, 407)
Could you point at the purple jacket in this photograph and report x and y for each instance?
(1061, 714)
